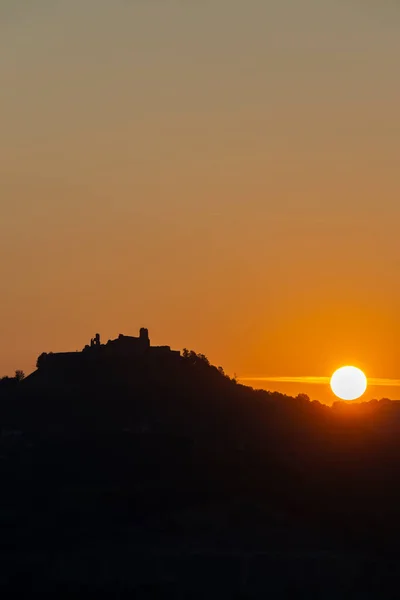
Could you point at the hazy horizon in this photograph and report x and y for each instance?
(224, 173)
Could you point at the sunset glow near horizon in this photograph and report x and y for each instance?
(225, 174)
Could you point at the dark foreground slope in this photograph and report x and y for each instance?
(167, 479)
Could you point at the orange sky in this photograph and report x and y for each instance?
(224, 173)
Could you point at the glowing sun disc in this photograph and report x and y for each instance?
(348, 383)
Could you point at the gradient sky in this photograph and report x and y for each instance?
(224, 172)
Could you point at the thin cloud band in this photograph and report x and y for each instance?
(312, 380)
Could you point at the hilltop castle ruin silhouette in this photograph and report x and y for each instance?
(125, 346)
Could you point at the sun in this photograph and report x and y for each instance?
(348, 383)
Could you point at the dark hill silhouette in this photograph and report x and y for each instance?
(137, 457)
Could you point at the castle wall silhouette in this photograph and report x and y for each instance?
(125, 346)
